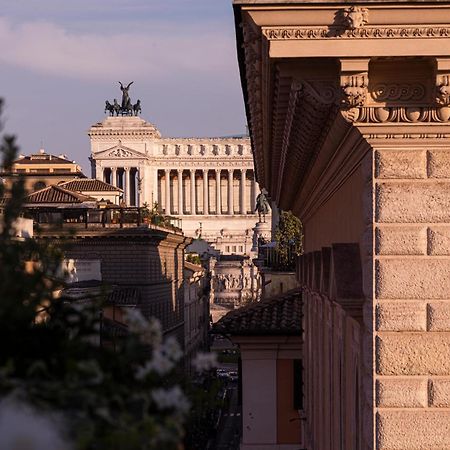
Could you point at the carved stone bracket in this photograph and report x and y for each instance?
(354, 82)
(443, 81)
(354, 89)
(443, 90)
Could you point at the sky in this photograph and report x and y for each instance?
(61, 59)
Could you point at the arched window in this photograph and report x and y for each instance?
(39, 185)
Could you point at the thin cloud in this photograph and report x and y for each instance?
(50, 49)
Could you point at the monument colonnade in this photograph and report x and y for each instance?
(206, 191)
(191, 191)
(126, 178)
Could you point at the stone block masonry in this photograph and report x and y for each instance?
(412, 298)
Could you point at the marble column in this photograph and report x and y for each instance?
(127, 187)
(218, 196)
(230, 192)
(138, 189)
(180, 191)
(193, 205)
(205, 192)
(167, 202)
(242, 193)
(114, 176)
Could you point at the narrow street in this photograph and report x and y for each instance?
(229, 430)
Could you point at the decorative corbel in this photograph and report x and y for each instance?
(354, 82)
(443, 81)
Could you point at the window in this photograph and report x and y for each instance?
(298, 384)
(234, 248)
(227, 248)
(39, 185)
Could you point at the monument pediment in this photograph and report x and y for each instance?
(119, 151)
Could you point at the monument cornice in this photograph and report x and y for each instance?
(119, 132)
(201, 163)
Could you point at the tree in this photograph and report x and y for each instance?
(51, 361)
(288, 237)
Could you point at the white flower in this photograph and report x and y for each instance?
(22, 428)
(149, 331)
(171, 349)
(163, 359)
(159, 364)
(172, 398)
(205, 361)
(136, 322)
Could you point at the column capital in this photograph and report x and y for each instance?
(126, 169)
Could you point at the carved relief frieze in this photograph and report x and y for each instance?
(338, 32)
(120, 153)
(402, 114)
(397, 92)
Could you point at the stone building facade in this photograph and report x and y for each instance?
(348, 107)
(40, 170)
(207, 182)
(148, 259)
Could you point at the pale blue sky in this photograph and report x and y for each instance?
(61, 59)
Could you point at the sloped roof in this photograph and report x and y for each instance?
(89, 185)
(279, 316)
(43, 158)
(57, 194)
(88, 290)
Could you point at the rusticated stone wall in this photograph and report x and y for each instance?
(331, 282)
(412, 297)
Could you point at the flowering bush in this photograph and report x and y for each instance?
(54, 374)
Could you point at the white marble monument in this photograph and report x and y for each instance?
(209, 183)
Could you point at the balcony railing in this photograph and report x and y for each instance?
(111, 217)
(273, 259)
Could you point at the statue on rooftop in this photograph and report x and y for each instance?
(126, 108)
(125, 96)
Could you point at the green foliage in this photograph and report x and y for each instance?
(51, 358)
(289, 237)
(193, 258)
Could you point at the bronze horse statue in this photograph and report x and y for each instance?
(137, 108)
(109, 108)
(262, 205)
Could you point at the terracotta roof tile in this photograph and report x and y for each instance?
(56, 194)
(281, 315)
(89, 184)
